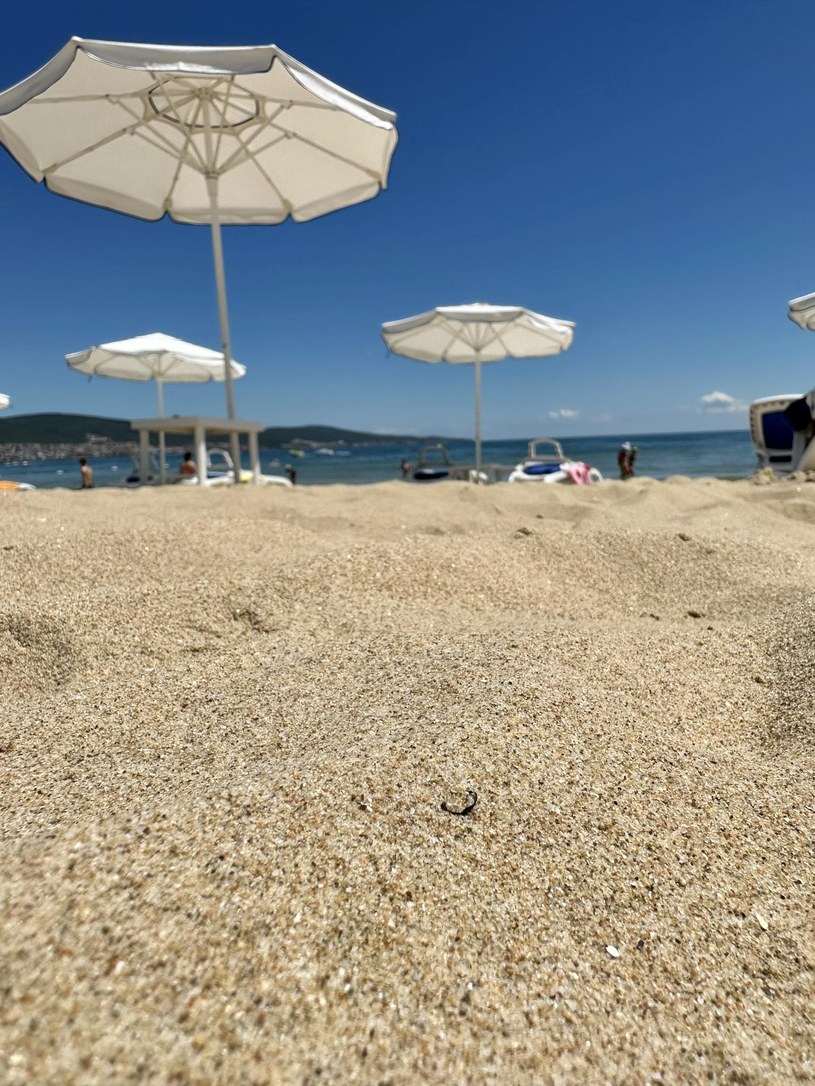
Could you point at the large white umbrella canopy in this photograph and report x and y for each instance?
(204, 135)
(476, 333)
(154, 357)
(5, 401)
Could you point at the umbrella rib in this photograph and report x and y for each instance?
(172, 106)
(61, 99)
(246, 151)
(243, 150)
(455, 336)
(290, 134)
(136, 129)
(492, 334)
(491, 338)
(497, 338)
(286, 133)
(229, 86)
(459, 334)
(153, 139)
(170, 363)
(223, 106)
(454, 339)
(87, 150)
(250, 155)
(270, 99)
(188, 145)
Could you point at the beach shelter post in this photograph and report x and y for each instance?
(477, 368)
(474, 334)
(162, 443)
(205, 135)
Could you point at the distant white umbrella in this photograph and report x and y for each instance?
(802, 311)
(5, 401)
(204, 135)
(155, 357)
(472, 334)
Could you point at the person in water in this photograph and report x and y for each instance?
(404, 467)
(87, 474)
(188, 465)
(626, 456)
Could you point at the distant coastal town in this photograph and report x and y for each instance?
(66, 437)
(95, 446)
(20, 452)
(14, 452)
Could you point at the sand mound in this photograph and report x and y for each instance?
(235, 728)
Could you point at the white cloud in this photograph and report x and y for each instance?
(720, 403)
(563, 413)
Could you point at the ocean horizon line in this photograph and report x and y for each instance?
(370, 435)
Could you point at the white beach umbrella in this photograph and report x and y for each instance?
(802, 311)
(5, 402)
(472, 334)
(204, 135)
(155, 357)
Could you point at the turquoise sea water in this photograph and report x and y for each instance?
(724, 454)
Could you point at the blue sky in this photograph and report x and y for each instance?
(643, 169)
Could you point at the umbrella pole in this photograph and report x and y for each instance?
(223, 317)
(162, 442)
(478, 420)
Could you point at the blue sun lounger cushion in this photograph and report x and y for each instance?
(540, 469)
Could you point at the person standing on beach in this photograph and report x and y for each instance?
(626, 456)
(188, 465)
(87, 474)
(292, 474)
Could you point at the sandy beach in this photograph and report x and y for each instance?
(234, 728)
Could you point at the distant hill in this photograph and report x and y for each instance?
(62, 429)
(58, 429)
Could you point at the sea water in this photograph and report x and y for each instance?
(726, 454)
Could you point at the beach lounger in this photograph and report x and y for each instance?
(774, 439)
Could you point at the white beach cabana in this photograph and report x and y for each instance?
(204, 135)
(198, 428)
(155, 357)
(477, 333)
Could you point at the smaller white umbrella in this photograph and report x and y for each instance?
(5, 401)
(155, 357)
(802, 311)
(474, 334)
